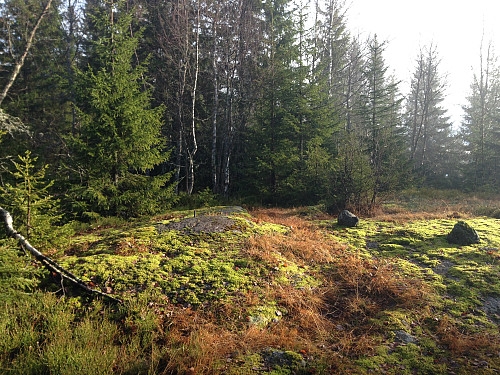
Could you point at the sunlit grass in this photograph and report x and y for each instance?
(328, 298)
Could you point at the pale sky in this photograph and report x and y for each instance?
(455, 27)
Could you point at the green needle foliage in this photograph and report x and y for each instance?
(119, 141)
(17, 273)
(33, 209)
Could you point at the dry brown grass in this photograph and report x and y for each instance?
(365, 286)
(331, 321)
(461, 343)
(304, 243)
(305, 311)
(197, 344)
(435, 204)
(287, 216)
(202, 344)
(336, 314)
(299, 246)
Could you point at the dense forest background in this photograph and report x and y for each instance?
(130, 106)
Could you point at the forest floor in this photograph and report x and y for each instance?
(271, 291)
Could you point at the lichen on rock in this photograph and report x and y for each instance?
(207, 224)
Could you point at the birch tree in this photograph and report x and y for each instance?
(20, 57)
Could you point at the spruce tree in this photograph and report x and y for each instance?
(34, 210)
(481, 126)
(275, 132)
(383, 133)
(428, 129)
(118, 144)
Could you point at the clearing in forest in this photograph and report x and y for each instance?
(224, 290)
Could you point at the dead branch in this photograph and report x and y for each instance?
(47, 262)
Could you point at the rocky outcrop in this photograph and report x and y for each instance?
(206, 220)
(463, 234)
(199, 224)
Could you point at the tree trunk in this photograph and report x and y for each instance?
(216, 106)
(192, 153)
(20, 63)
(47, 262)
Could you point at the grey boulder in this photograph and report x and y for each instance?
(347, 219)
(463, 234)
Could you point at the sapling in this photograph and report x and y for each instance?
(33, 209)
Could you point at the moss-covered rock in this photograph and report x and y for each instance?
(463, 234)
(283, 362)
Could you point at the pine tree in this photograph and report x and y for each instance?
(118, 144)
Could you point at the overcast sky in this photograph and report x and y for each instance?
(455, 27)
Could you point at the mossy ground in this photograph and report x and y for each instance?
(188, 268)
(322, 298)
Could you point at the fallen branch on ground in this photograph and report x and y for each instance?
(47, 262)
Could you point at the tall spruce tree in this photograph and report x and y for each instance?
(481, 126)
(428, 129)
(325, 50)
(118, 143)
(275, 131)
(383, 138)
(351, 179)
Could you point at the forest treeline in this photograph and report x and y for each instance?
(129, 104)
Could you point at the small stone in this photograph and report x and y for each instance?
(278, 313)
(404, 337)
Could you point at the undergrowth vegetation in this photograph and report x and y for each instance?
(282, 291)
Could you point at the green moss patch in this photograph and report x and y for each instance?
(194, 260)
(191, 260)
(403, 359)
(271, 361)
